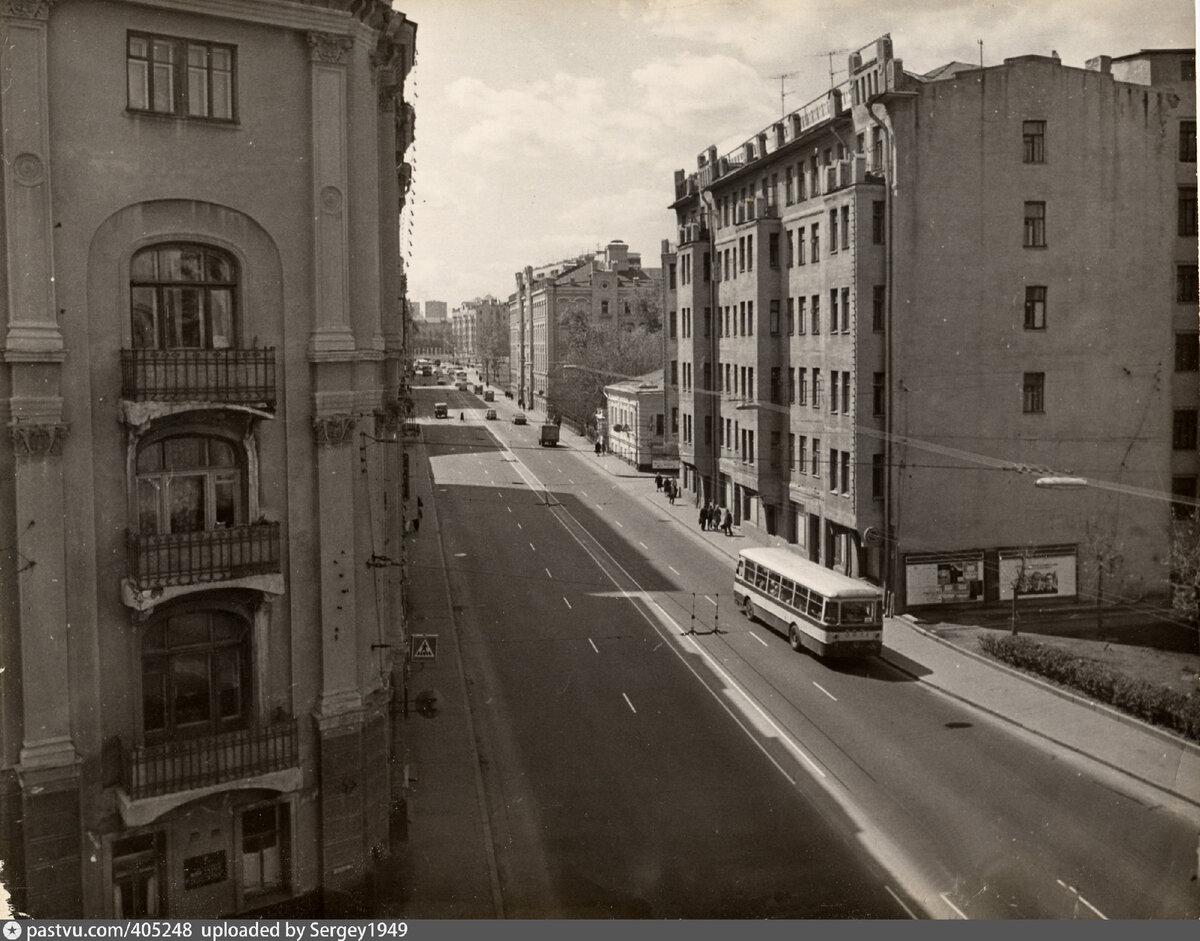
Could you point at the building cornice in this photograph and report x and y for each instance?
(286, 13)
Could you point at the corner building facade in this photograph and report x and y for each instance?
(201, 372)
(892, 311)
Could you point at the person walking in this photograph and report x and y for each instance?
(727, 523)
(597, 447)
(703, 518)
(658, 482)
(671, 491)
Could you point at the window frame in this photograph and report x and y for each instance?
(1034, 231)
(181, 71)
(1033, 393)
(1035, 307)
(202, 289)
(1033, 135)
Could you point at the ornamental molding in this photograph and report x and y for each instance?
(26, 9)
(331, 48)
(334, 431)
(38, 439)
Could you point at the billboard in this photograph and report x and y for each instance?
(955, 578)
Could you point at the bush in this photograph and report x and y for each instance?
(1155, 704)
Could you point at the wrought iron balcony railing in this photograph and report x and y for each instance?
(210, 556)
(170, 767)
(244, 377)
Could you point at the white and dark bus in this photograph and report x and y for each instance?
(816, 608)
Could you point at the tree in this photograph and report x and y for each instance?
(595, 355)
(491, 343)
(1102, 558)
(1183, 564)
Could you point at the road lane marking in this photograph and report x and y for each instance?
(675, 570)
(643, 545)
(509, 508)
(957, 911)
(900, 902)
(519, 526)
(710, 601)
(619, 523)
(629, 704)
(570, 481)
(567, 603)
(593, 643)
(584, 492)
(757, 638)
(824, 690)
(1075, 892)
(599, 506)
(531, 546)
(548, 575)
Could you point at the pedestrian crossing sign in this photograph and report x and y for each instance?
(423, 647)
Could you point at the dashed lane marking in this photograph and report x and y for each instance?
(900, 902)
(824, 690)
(757, 638)
(593, 643)
(548, 575)
(957, 910)
(567, 603)
(629, 704)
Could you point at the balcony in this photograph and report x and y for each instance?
(190, 764)
(236, 377)
(215, 555)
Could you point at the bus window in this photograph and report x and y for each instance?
(773, 585)
(760, 578)
(787, 589)
(858, 612)
(741, 568)
(814, 605)
(800, 601)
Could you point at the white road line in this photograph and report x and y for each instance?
(593, 643)
(629, 704)
(599, 506)
(548, 575)
(519, 526)
(942, 896)
(900, 902)
(710, 601)
(619, 523)
(643, 545)
(509, 508)
(675, 570)
(567, 603)
(824, 690)
(1075, 892)
(570, 481)
(531, 546)
(584, 492)
(757, 638)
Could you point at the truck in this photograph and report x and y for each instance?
(549, 435)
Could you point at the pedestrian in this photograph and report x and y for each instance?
(597, 447)
(420, 507)
(671, 491)
(416, 524)
(460, 417)
(703, 518)
(658, 482)
(727, 523)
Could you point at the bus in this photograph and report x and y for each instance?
(817, 609)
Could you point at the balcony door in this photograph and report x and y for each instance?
(188, 484)
(183, 297)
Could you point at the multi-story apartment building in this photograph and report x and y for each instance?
(480, 328)
(604, 287)
(890, 312)
(200, 592)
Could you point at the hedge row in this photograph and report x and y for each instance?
(1158, 705)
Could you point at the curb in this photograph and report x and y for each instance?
(1094, 706)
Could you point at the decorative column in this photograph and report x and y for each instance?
(331, 290)
(33, 352)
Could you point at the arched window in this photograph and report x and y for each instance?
(188, 484)
(195, 674)
(183, 297)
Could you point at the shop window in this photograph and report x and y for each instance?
(137, 876)
(195, 674)
(183, 297)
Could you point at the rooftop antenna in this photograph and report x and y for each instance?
(980, 53)
(782, 76)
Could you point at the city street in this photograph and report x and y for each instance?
(634, 768)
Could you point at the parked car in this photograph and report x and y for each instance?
(490, 414)
(519, 418)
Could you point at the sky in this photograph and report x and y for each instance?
(548, 128)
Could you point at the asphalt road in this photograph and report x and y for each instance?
(637, 770)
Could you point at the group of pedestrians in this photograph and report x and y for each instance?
(667, 485)
(711, 518)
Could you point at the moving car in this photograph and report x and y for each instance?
(462, 386)
(489, 396)
(549, 435)
(519, 418)
(490, 414)
(440, 410)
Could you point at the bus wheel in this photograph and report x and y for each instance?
(794, 638)
(748, 607)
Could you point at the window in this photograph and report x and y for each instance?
(265, 842)
(791, 455)
(877, 230)
(674, 372)
(742, 253)
(1186, 277)
(800, 253)
(878, 398)
(801, 315)
(750, 318)
(816, 457)
(749, 252)
(671, 324)
(816, 314)
(833, 231)
(816, 243)
(1034, 133)
(1035, 307)
(1187, 210)
(775, 438)
(788, 191)
(845, 310)
(1187, 141)
(707, 267)
(792, 386)
(182, 297)
(878, 298)
(791, 316)
(138, 863)
(833, 391)
(833, 310)
(877, 479)
(166, 75)
(845, 227)
(604, 308)
(846, 392)
(707, 428)
(776, 384)
(802, 455)
(845, 473)
(833, 470)
(187, 485)
(1033, 387)
(816, 388)
(1187, 69)
(1183, 430)
(195, 674)
(708, 321)
(802, 377)
(1035, 225)
(773, 250)
(774, 318)
(1187, 352)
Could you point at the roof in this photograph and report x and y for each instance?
(826, 581)
(649, 382)
(949, 70)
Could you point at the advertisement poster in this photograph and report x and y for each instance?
(1050, 576)
(946, 580)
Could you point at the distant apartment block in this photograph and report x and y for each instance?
(892, 311)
